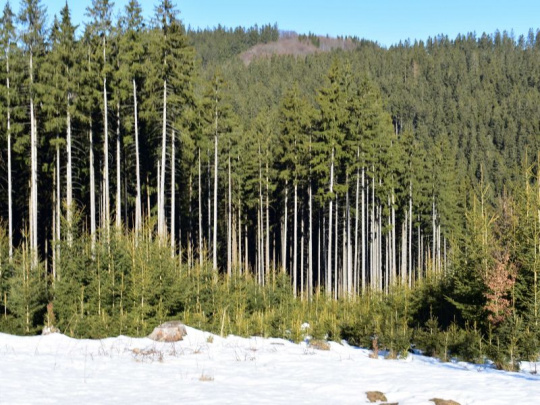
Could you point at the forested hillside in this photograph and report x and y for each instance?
(148, 172)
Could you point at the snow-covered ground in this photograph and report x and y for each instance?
(208, 369)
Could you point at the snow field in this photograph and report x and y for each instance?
(208, 369)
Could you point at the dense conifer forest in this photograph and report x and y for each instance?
(388, 196)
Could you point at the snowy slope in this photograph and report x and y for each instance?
(57, 369)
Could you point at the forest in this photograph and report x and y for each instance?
(387, 196)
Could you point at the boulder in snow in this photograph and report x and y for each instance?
(172, 331)
(375, 396)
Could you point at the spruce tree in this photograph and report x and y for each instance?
(130, 76)
(169, 74)
(32, 17)
(100, 30)
(9, 49)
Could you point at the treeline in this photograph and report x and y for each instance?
(144, 163)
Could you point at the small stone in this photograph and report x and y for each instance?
(375, 396)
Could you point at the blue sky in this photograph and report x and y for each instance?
(385, 21)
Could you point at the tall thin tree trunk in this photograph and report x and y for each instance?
(162, 231)
(239, 237)
(356, 224)
(284, 243)
(260, 251)
(138, 200)
(118, 172)
(310, 244)
(33, 187)
(302, 255)
(319, 254)
(344, 269)
(393, 244)
(209, 202)
(372, 256)
(330, 213)
(267, 217)
(295, 239)
(173, 194)
(229, 222)
(200, 216)
(246, 266)
(106, 210)
(58, 201)
(92, 189)
(69, 176)
(349, 247)
(214, 247)
(410, 266)
(10, 183)
(336, 249)
(363, 242)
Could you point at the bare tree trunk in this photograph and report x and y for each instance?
(330, 213)
(372, 256)
(349, 247)
(344, 269)
(10, 183)
(319, 254)
(33, 187)
(209, 203)
(173, 195)
(69, 176)
(356, 224)
(214, 255)
(310, 244)
(434, 238)
(260, 251)
(302, 255)
(229, 224)
(295, 239)
(162, 231)
(239, 237)
(410, 266)
(393, 245)
(284, 243)
(138, 200)
(267, 217)
(92, 189)
(118, 169)
(336, 249)
(106, 205)
(200, 216)
(363, 242)
(56, 246)
(246, 266)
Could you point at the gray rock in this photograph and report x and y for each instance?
(172, 331)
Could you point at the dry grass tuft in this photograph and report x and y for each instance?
(319, 344)
(206, 377)
(147, 355)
